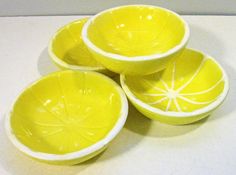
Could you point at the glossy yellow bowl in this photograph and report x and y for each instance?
(67, 117)
(189, 89)
(67, 49)
(135, 39)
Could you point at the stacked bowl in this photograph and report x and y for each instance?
(70, 116)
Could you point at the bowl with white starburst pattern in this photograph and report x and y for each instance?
(188, 90)
(67, 117)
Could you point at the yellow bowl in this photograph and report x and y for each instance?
(67, 117)
(135, 39)
(67, 49)
(189, 89)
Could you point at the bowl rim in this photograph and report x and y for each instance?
(77, 154)
(62, 63)
(200, 111)
(114, 56)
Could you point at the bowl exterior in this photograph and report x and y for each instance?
(171, 119)
(82, 68)
(74, 161)
(130, 67)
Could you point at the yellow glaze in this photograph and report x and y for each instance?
(66, 112)
(117, 37)
(67, 49)
(187, 90)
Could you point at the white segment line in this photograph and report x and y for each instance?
(76, 144)
(68, 145)
(158, 101)
(85, 137)
(45, 107)
(48, 124)
(71, 35)
(168, 105)
(164, 26)
(177, 105)
(53, 132)
(153, 95)
(194, 75)
(85, 117)
(164, 83)
(61, 147)
(159, 89)
(154, 87)
(204, 91)
(195, 102)
(173, 76)
(98, 127)
(26, 131)
(63, 97)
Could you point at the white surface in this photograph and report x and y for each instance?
(143, 146)
(65, 7)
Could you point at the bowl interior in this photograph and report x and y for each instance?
(191, 82)
(68, 46)
(66, 112)
(136, 30)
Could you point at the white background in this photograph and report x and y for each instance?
(66, 7)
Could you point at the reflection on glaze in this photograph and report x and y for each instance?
(136, 31)
(68, 46)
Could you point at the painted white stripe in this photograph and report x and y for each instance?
(204, 91)
(45, 107)
(68, 144)
(154, 87)
(47, 124)
(153, 95)
(26, 131)
(168, 105)
(173, 76)
(194, 75)
(158, 101)
(177, 105)
(195, 102)
(165, 84)
(71, 35)
(63, 96)
(53, 132)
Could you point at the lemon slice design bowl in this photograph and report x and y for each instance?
(67, 117)
(135, 39)
(189, 89)
(67, 49)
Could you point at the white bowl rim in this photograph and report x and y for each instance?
(77, 154)
(114, 56)
(203, 110)
(64, 64)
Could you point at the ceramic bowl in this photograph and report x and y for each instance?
(135, 39)
(67, 117)
(189, 89)
(67, 49)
